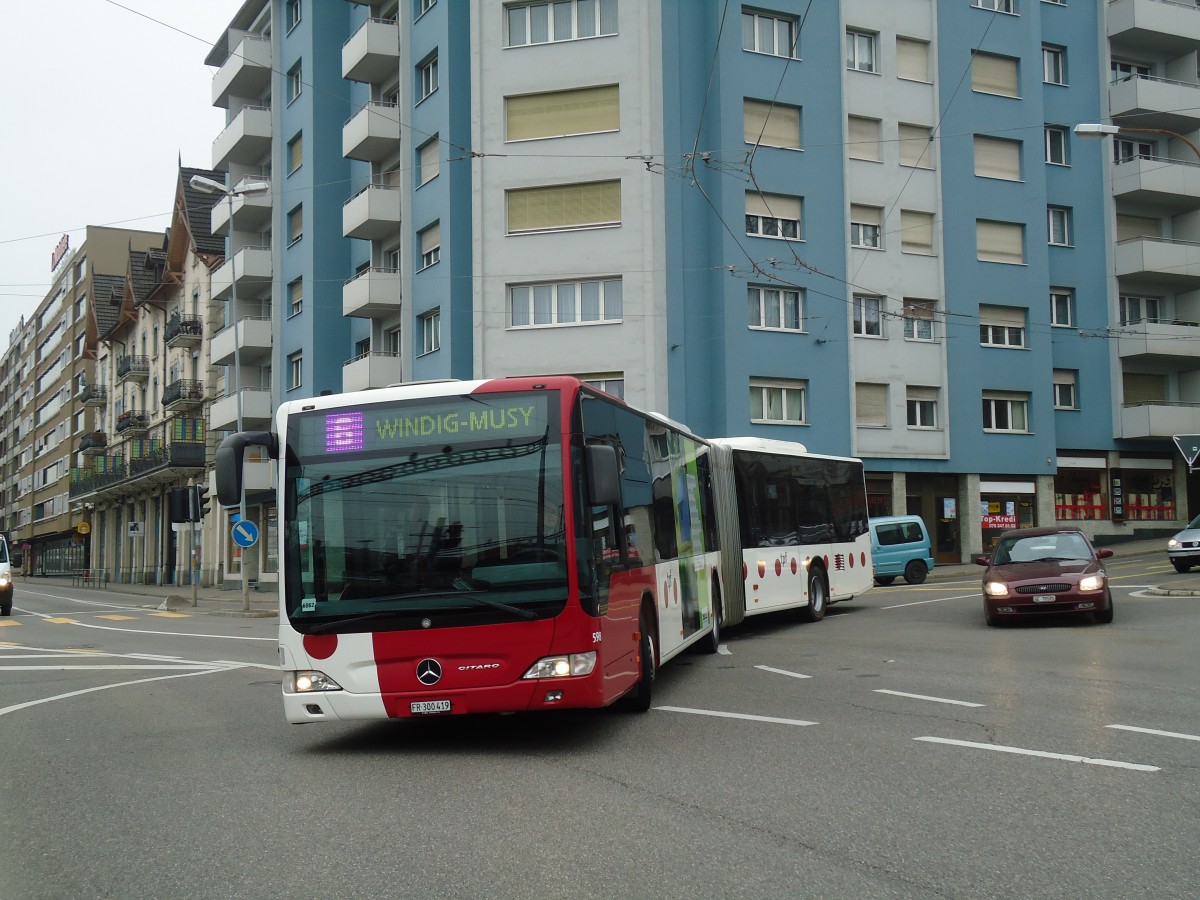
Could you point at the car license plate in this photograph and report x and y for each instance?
(1044, 598)
(427, 707)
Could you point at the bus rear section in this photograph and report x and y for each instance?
(470, 547)
(794, 531)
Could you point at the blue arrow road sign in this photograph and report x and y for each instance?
(245, 533)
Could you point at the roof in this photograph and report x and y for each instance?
(198, 208)
(108, 293)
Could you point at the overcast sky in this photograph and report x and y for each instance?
(99, 100)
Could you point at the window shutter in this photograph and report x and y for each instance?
(564, 206)
(431, 238)
(1142, 388)
(865, 215)
(778, 125)
(556, 113)
(1013, 316)
(1130, 227)
(912, 59)
(870, 404)
(994, 74)
(863, 136)
(917, 392)
(916, 146)
(1001, 242)
(916, 231)
(995, 158)
(430, 161)
(775, 206)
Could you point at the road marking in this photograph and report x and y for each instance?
(1172, 734)
(104, 687)
(724, 650)
(783, 672)
(937, 600)
(116, 618)
(60, 620)
(171, 615)
(10, 622)
(728, 715)
(924, 697)
(1067, 757)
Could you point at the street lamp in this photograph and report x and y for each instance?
(208, 186)
(1098, 131)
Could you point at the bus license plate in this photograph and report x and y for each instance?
(427, 707)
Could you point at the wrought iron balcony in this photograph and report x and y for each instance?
(133, 367)
(94, 395)
(184, 331)
(93, 443)
(186, 393)
(132, 422)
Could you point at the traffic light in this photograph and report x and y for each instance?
(180, 505)
(199, 503)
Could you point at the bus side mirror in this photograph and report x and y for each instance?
(228, 462)
(604, 479)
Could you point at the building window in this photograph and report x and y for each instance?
(1056, 145)
(610, 384)
(392, 258)
(565, 303)
(428, 77)
(1122, 70)
(996, 158)
(392, 341)
(431, 331)
(295, 221)
(862, 139)
(778, 402)
(295, 82)
(424, 6)
(860, 51)
(295, 370)
(295, 152)
(586, 110)
(591, 205)
(921, 406)
(870, 405)
(775, 308)
(918, 319)
(916, 146)
(764, 33)
(916, 232)
(773, 215)
(1004, 6)
(991, 74)
(1006, 412)
(1054, 65)
(865, 228)
(431, 245)
(771, 124)
(1124, 150)
(1001, 326)
(1065, 394)
(868, 315)
(428, 161)
(912, 59)
(296, 296)
(1001, 242)
(564, 20)
(1135, 310)
(1062, 307)
(292, 14)
(1058, 224)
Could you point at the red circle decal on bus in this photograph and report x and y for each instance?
(852, 560)
(745, 571)
(795, 565)
(320, 646)
(762, 568)
(778, 568)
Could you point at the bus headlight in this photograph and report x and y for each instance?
(563, 666)
(309, 682)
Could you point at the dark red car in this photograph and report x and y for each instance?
(1038, 571)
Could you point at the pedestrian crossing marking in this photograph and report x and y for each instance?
(171, 615)
(118, 618)
(62, 620)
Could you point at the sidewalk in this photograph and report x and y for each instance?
(210, 601)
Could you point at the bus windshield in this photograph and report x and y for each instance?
(422, 514)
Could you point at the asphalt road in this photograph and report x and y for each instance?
(897, 749)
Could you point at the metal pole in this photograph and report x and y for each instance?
(237, 389)
(195, 565)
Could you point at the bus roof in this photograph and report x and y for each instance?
(767, 445)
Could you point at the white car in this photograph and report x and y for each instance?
(1184, 548)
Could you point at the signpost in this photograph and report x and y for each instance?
(1189, 446)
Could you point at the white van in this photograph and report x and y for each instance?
(6, 585)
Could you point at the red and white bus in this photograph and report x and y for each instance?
(530, 543)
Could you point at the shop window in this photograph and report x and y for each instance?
(1078, 496)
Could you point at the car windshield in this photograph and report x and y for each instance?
(1039, 547)
(1195, 523)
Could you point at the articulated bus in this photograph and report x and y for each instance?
(530, 543)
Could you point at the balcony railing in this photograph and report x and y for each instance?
(173, 455)
(133, 366)
(95, 442)
(94, 395)
(132, 421)
(185, 392)
(184, 330)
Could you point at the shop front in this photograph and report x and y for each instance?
(1004, 505)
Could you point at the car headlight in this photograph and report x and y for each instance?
(995, 588)
(1173, 544)
(1091, 582)
(5, 579)
(563, 666)
(308, 682)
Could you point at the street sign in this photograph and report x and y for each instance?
(1189, 446)
(135, 530)
(244, 533)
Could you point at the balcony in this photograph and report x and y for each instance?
(372, 53)
(252, 265)
(116, 477)
(184, 394)
(246, 72)
(371, 133)
(1140, 101)
(222, 414)
(250, 211)
(1174, 264)
(93, 443)
(1159, 421)
(372, 292)
(373, 213)
(1156, 180)
(94, 395)
(245, 140)
(1152, 28)
(184, 331)
(133, 368)
(372, 370)
(1166, 346)
(251, 335)
(132, 423)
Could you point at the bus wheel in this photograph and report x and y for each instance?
(712, 641)
(818, 597)
(638, 700)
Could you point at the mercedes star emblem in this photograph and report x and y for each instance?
(429, 672)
